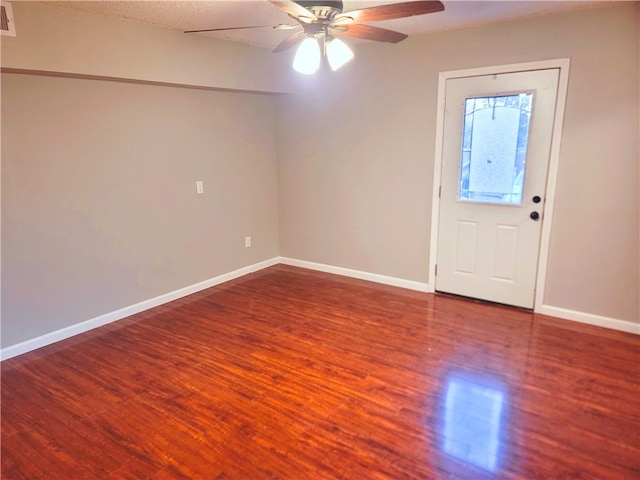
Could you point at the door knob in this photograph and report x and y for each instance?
(536, 199)
(534, 215)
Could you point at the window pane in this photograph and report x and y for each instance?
(494, 149)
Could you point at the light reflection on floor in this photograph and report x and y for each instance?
(472, 426)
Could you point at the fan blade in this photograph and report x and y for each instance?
(289, 42)
(277, 27)
(389, 12)
(368, 32)
(295, 10)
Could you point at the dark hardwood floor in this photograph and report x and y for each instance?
(293, 374)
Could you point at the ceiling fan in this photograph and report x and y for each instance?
(323, 20)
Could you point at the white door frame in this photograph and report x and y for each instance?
(554, 157)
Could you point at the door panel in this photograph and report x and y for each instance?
(497, 140)
(505, 255)
(466, 249)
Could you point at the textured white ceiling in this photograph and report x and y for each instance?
(194, 15)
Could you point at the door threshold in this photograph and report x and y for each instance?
(484, 302)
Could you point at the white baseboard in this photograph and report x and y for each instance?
(70, 331)
(557, 312)
(347, 272)
(590, 319)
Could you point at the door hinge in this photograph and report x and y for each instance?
(436, 269)
(440, 191)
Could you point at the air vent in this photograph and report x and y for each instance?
(7, 27)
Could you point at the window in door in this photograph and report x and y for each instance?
(494, 149)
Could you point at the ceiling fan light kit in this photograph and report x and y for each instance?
(309, 54)
(322, 20)
(307, 58)
(338, 53)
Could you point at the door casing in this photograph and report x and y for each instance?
(554, 156)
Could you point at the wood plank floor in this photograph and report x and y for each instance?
(293, 374)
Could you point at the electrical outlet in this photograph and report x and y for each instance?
(199, 187)
(247, 242)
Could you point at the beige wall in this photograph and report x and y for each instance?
(99, 209)
(98, 178)
(60, 39)
(356, 155)
(99, 206)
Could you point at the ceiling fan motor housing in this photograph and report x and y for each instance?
(322, 9)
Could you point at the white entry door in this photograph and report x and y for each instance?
(495, 157)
